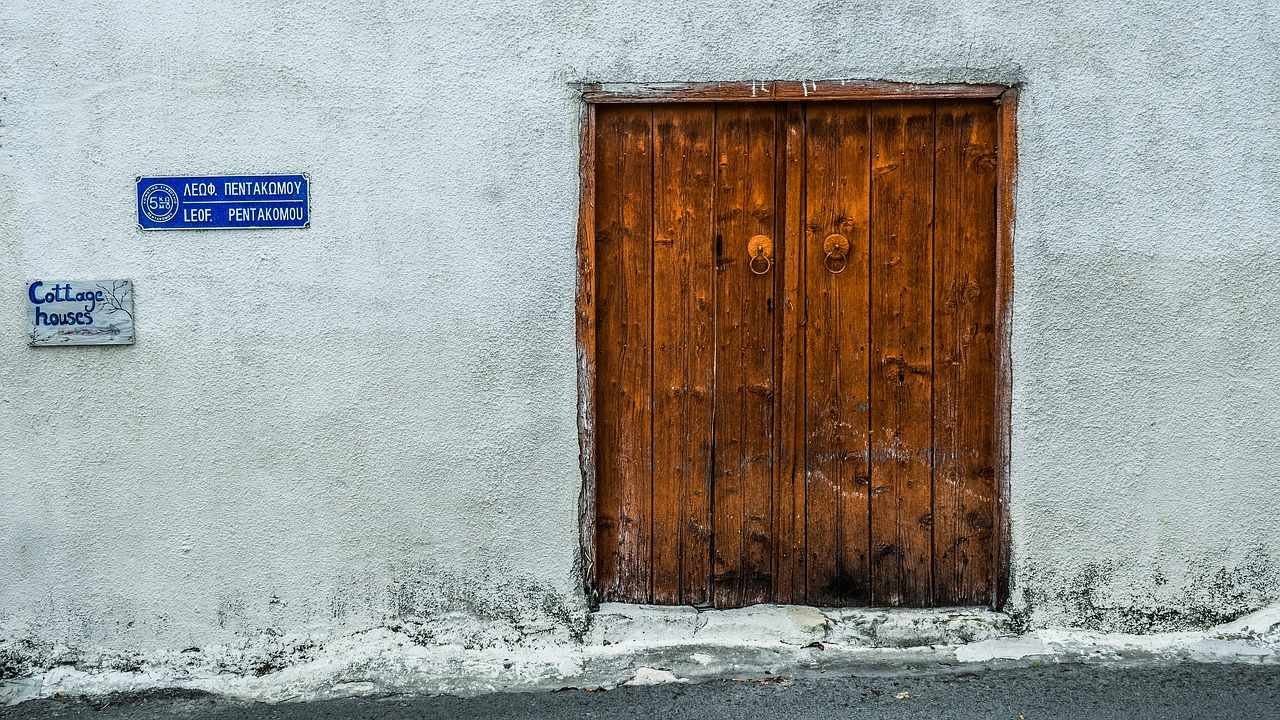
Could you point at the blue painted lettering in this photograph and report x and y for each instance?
(60, 294)
(71, 318)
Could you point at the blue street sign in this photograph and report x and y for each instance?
(222, 202)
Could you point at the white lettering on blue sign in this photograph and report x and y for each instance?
(224, 202)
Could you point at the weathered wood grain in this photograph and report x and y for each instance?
(1006, 191)
(624, 327)
(789, 493)
(901, 352)
(684, 351)
(753, 381)
(585, 310)
(742, 493)
(964, 341)
(837, 191)
(779, 90)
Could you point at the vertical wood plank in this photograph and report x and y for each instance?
(684, 347)
(742, 493)
(1006, 190)
(585, 307)
(901, 352)
(836, 335)
(789, 499)
(624, 279)
(964, 283)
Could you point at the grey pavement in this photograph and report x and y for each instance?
(1240, 692)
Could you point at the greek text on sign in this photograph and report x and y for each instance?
(223, 202)
(80, 312)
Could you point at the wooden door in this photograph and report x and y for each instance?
(795, 353)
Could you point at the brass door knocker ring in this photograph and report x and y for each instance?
(836, 247)
(760, 248)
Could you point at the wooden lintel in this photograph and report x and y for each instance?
(777, 90)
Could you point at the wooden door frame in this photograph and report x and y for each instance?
(593, 94)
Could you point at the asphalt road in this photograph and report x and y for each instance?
(1239, 692)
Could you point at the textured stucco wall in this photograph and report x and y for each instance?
(375, 417)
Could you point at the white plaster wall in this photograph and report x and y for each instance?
(323, 429)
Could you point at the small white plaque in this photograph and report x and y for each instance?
(80, 312)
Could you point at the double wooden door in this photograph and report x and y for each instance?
(795, 353)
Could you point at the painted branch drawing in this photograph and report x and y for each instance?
(119, 298)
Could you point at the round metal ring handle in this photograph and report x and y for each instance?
(760, 248)
(836, 246)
